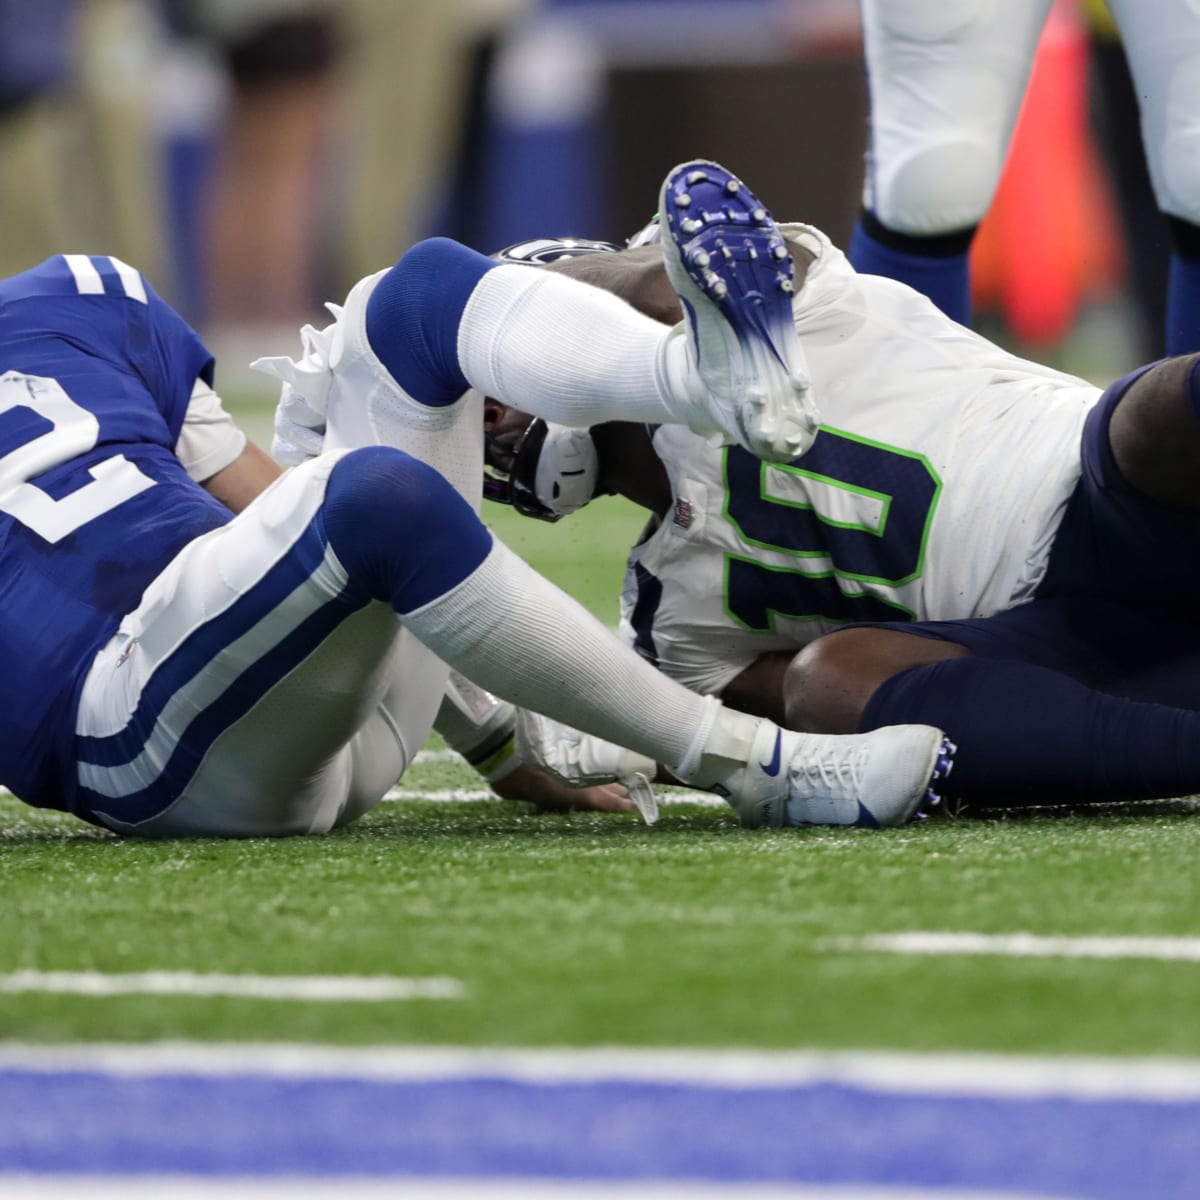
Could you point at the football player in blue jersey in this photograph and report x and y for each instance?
(973, 541)
(172, 668)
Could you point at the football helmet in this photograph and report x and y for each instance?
(544, 471)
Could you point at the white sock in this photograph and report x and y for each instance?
(511, 631)
(570, 352)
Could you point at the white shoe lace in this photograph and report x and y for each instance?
(834, 772)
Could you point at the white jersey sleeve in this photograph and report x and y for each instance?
(209, 440)
(933, 491)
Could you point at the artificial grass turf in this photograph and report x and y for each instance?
(584, 929)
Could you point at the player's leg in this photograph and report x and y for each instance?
(1154, 432)
(1131, 532)
(946, 83)
(827, 686)
(1026, 733)
(445, 319)
(515, 634)
(1162, 43)
(233, 700)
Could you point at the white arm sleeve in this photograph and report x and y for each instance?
(209, 440)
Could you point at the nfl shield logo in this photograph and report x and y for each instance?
(683, 513)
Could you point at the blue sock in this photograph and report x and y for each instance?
(401, 531)
(1183, 305)
(1029, 735)
(414, 313)
(936, 266)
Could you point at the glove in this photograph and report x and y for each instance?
(579, 760)
(300, 414)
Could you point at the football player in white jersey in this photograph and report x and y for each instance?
(973, 540)
(178, 670)
(946, 84)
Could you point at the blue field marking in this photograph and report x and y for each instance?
(495, 1123)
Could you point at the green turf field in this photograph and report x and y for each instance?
(580, 929)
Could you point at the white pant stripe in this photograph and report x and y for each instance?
(209, 685)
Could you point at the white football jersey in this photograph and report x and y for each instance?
(933, 490)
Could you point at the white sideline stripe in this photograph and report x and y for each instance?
(1157, 1079)
(254, 987)
(21, 1187)
(87, 278)
(1028, 945)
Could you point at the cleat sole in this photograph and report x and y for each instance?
(733, 253)
(941, 769)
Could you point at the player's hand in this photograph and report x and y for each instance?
(295, 442)
(300, 415)
(580, 759)
(551, 794)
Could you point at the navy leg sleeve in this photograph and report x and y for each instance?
(401, 531)
(1029, 735)
(414, 313)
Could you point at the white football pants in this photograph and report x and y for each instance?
(947, 81)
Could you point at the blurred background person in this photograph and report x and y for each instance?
(258, 222)
(35, 69)
(75, 134)
(946, 84)
(1146, 232)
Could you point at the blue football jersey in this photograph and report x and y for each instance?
(96, 372)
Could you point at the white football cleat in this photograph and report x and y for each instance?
(581, 760)
(730, 264)
(869, 779)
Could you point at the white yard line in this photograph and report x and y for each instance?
(436, 756)
(445, 795)
(1159, 1079)
(1026, 945)
(472, 796)
(476, 795)
(334, 988)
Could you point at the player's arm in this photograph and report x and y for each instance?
(250, 474)
(481, 728)
(637, 276)
(217, 454)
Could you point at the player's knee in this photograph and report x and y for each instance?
(920, 21)
(939, 187)
(414, 313)
(831, 681)
(1154, 432)
(400, 530)
(821, 689)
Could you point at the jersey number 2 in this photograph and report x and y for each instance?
(74, 431)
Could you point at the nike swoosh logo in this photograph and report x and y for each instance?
(772, 767)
